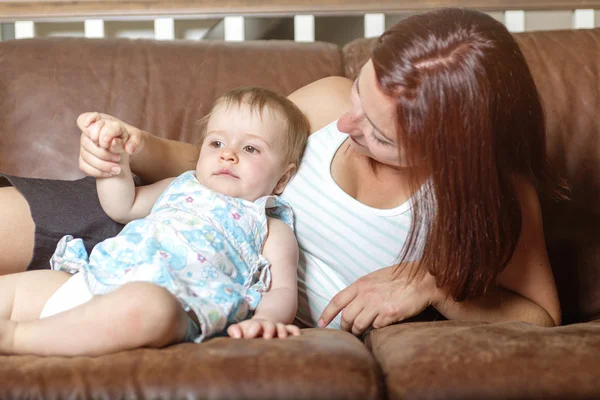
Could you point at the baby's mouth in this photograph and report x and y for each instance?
(226, 172)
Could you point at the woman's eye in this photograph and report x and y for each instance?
(378, 140)
(251, 149)
(216, 144)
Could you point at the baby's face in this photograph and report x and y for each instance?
(241, 155)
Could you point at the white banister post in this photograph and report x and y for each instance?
(374, 25)
(584, 19)
(234, 29)
(515, 20)
(304, 28)
(94, 28)
(24, 29)
(164, 28)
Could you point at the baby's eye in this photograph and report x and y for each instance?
(216, 144)
(251, 149)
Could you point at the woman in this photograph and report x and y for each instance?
(424, 192)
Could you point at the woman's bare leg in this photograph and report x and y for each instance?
(136, 315)
(16, 231)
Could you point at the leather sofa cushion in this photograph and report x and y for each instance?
(475, 360)
(320, 364)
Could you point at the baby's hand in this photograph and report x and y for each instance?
(104, 131)
(103, 139)
(258, 327)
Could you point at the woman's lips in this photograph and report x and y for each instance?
(355, 141)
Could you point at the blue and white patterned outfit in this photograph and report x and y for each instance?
(202, 246)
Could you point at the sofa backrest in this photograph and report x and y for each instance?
(566, 68)
(161, 87)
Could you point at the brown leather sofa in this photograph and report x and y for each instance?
(163, 87)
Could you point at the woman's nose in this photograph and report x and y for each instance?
(228, 155)
(350, 122)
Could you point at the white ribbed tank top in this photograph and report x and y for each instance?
(340, 239)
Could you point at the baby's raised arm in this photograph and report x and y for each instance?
(277, 308)
(119, 197)
(152, 158)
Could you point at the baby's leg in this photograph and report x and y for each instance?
(23, 295)
(22, 298)
(135, 315)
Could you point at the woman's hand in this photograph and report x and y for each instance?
(380, 299)
(103, 137)
(258, 327)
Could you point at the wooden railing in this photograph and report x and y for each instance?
(15, 10)
(233, 19)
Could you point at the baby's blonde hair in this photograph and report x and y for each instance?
(258, 99)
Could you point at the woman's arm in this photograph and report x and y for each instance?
(497, 305)
(525, 292)
(323, 101)
(163, 158)
(526, 289)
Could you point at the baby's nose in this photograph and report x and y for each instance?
(228, 155)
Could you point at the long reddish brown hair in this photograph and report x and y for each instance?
(468, 111)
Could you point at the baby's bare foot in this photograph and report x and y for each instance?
(7, 336)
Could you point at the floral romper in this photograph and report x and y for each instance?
(202, 246)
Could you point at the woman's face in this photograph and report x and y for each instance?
(371, 122)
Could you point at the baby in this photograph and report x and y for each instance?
(200, 253)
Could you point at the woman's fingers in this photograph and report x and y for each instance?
(337, 304)
(92, 171)
(95, 167)
(349, 314)
(363, 321)
(95, 161)
(358, 316)
(385, 320)
(87, 146)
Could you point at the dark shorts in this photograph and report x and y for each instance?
(61, 208)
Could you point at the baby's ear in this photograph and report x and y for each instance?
(285, 178)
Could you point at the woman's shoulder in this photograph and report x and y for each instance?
(323, 101)
(527, 194)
